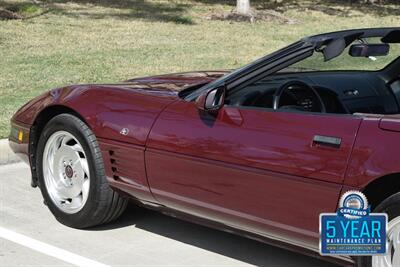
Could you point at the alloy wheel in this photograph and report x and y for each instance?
(66, 172)
(392, 258)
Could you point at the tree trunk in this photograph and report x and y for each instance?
(243, 7)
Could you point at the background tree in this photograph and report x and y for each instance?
(243, 7)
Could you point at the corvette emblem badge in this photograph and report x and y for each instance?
(124, 131)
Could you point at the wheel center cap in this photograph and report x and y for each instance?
(69, 172)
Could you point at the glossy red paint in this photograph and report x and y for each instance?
(143, 96)
(375, 152)
(132, 105)
(264, 139)
(258, 171)
(20, 147)
(125, 168)
(270, 154)
(390, 124)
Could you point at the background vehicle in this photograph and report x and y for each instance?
(262, 150)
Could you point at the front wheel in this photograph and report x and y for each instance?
(391, 206)
(71, 175)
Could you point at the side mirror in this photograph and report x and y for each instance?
(211, 100)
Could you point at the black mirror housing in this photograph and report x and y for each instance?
(211, 100)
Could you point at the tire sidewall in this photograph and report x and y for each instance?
(390, 206)
(71, 125)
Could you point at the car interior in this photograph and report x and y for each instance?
(342, 92)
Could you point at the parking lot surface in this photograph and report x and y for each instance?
(139, 238)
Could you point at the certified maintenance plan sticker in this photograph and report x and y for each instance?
(353, 230)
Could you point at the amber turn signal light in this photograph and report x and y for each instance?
(20, 135)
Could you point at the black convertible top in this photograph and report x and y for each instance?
(360, 33)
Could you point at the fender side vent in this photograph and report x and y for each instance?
(113, 162)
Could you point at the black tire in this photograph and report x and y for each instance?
(390, 206)
(103, 204)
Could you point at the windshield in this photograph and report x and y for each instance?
(345, 62)
(248, 68)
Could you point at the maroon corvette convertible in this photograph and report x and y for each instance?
(261, 151)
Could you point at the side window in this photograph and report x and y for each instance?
(281, 93)
(259, 94)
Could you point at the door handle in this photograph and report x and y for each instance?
(328, 141)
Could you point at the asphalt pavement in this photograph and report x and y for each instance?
(30, 236)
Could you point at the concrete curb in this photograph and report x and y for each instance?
(7, 156)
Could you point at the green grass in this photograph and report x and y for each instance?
(100, 41)
(26, 8)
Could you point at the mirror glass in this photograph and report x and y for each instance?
(215, 99)
(369, 50)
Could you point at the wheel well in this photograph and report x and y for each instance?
(382, 188)
(36, 130)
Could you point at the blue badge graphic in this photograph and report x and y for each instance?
(353, 230)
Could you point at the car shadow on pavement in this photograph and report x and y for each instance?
(227, 244)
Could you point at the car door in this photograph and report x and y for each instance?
(254, 169)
